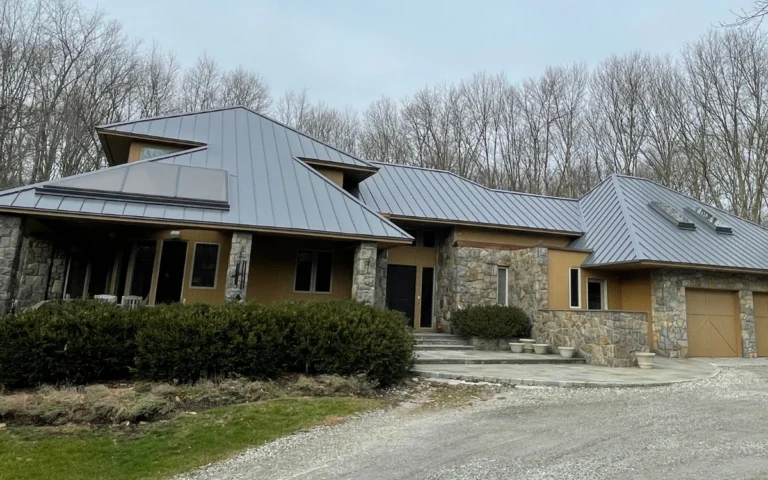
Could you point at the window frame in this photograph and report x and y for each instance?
(603, 293)
(216, 270)
(506, 285)
(578, 288)
(313, 272)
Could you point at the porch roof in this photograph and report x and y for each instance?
(268, 187)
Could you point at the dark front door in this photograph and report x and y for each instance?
(171, 276)
(427, 291)
(401, 289)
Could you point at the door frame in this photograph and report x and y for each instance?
(156, 272)
(419, 257)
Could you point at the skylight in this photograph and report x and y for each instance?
(673, 215)
(710, 220)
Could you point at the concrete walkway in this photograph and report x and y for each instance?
(665, 371)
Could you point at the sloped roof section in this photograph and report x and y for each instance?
(267, 187)
(209, 128)
(641, 234)
(405, 191)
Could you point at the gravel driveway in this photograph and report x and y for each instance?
(710, 429)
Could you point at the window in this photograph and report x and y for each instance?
(596, 294)
(155, 151)
(501, 286)
(574, 287)
(204, 265)
(313, 271)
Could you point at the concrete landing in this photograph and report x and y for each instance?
(666, 371)
(481, 357)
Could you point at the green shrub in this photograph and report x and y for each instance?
(347, 338)
(491, 322)
(187, 342)
(84, 341)
(77, 342)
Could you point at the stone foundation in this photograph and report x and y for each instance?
(670, 330)
(364, 272)
(603, 337)
(10, 247)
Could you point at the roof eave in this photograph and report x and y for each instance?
(518, 228)
(687, 266)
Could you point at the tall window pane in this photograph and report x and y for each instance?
(204, 265)
(501, 294)
(323, 272)
(303, 281)
(574, 287)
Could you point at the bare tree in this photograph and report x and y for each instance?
(158, 84)
(201, 85)
(753, 14)
(246, 88)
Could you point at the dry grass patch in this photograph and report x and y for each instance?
(146, 402)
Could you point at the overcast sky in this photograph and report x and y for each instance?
(352, 52)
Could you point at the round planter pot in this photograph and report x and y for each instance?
(644, 359)
(516, 347)
(566, 352)
(527, 344)
(540, 348)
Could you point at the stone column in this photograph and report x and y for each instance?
(380, 295)
(237, 269)
(364, 273)
(34, 265)
(10, 248)
(747, 319)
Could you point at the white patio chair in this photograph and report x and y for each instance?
(106, 298)
(131, 301)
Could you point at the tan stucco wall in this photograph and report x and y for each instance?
(501, 237)
(560, 262)
(336, 176)
(189, 294)
(273, 261)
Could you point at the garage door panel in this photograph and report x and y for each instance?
(712, 322)
(761, 323)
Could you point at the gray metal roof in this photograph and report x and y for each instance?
(405, 191)
(215, 127)
(268, 188)
(622, 227)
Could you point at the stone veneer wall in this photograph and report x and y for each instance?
(32, 277)
(237, 269)
(10, 244)
(603, 337)
(380, 294)
(467, 276)
(668, 286)
(364, 270)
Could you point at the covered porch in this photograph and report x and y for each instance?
(47, 258)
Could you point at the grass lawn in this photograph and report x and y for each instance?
(161, 449)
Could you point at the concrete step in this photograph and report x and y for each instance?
(434, 346)
(479, 357)
(441, 341)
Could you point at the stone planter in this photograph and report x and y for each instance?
(516, 347)
(644, 359)
(566, 352)
(527, 344)
(540, 348)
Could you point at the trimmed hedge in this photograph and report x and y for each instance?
(84, 341)
(491, 322)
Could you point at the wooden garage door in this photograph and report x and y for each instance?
(713, 323)
(761, 323)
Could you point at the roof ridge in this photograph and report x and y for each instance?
(267, 117)
(495, 190)
(631, 177)
(625, 215)
(355, 199)
(170, 115)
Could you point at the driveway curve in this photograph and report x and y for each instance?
(715, 428)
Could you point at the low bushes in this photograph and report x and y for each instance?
(82, 342)
(491, 322)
